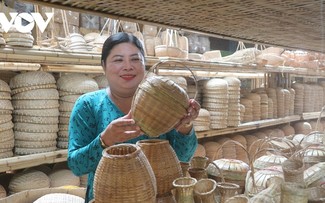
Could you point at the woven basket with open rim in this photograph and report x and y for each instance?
(159, 104)
(124, 174)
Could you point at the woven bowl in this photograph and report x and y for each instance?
(158, 105)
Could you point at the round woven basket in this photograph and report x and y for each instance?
(159, 104)
(293, 192)
(59, 198)
(30, 88)
(76, 83)
(63, 177)
(31, 79)
(293, 170)
(124, 174)
(36, 119)
(26, 151)
(27, 136)
(37, 94)
(35, 104)
(37, 112)
(4, 87)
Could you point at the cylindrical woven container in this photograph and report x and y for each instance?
(293, 193)
(124, 174)
(164, 163)
(158, 105)
(293, 170)
(204, 190)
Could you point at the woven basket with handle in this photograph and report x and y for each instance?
(159, 104)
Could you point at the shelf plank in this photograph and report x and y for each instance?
(248, 126)
(51, 56)
(20, 162)
(13, 66)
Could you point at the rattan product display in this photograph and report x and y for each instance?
(71, 87)
(215, 100)
(35, 112)
(233, 119)
(6, 124)
(124, 174)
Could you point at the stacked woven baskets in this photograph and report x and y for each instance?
(16, 38)
(6, 124)
(233, 101)
(70, 87)
(101, 81)
(35, 102)
(202, 122)
(215, 100)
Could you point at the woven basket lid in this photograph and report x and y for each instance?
(6, 105)
(35, 87)
(27, 136)
(232, 81)
(27, 180)
(36, 128)
(36, 119)
(37, 112)
(26, 151)
(35, 104)
(63, 177)
(35, 144)
(216, 83)
(59, 198)
(4, 87)
(77, 83)
(37, 94)
(101, 81)
(31, 79)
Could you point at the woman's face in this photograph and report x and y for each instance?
(124, 68)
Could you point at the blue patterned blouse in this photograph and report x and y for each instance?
(90, 116)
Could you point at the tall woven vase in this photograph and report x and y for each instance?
(124, 174)
(164, 163)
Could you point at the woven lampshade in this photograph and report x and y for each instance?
(31, 79)
(158, 105)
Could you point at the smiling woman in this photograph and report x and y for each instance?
(103, 118)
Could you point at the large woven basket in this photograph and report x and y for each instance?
(124, 174)
(159, 104)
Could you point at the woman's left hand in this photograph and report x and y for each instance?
(192, 114)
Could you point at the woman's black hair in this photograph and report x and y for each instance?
(118, 38)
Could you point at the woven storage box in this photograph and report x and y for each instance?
(29, 196)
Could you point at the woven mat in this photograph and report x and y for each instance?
(269, 21)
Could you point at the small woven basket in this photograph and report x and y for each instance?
(159, 104)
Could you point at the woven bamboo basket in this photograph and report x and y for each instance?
(124, 174)
(164, 163)
(159, 104)
(30, 196)
(204, 190)
(31, 79)
(293, 192)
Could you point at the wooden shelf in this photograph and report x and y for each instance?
(57, 60)
(21, 162)
(258, 124)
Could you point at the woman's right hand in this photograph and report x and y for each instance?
(120, 130)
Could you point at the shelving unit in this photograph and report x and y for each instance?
(214, 21)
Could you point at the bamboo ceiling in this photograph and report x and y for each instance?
(297, 24)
